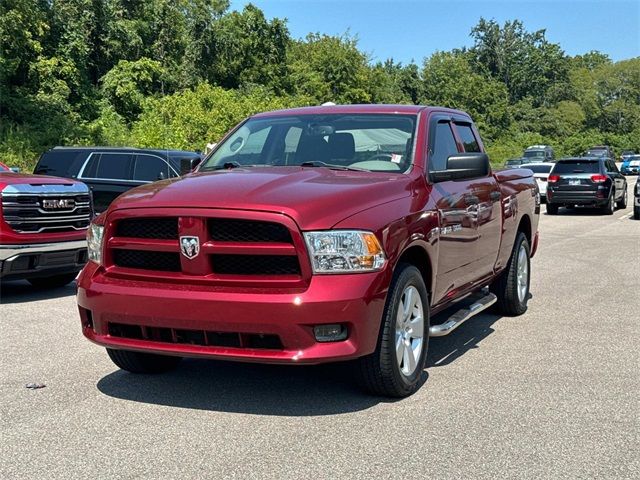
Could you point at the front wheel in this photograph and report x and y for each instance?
(397, 365)
(512, 286)
(137, 362)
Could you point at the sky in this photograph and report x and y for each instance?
(408, 30)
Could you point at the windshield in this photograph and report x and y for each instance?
(577, 166)
(372, 142)
(534, 153)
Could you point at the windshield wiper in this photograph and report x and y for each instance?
(318, 163)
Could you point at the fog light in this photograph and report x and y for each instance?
(330, 333)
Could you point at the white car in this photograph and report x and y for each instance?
(541, 174)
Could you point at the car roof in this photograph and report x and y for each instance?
(360, 109)
(538, 163)
(123, 149)
(584, 159)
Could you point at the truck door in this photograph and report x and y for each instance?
(456, 205)
(485, 197)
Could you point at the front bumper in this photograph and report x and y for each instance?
(42, 259)
(356, 301)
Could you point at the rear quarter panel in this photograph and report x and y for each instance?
(520, 199)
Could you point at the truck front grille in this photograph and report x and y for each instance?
(227, 249)
(159, 261)
(46, 208)
(204, 338)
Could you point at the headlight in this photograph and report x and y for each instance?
(344, 251)
(94, 243)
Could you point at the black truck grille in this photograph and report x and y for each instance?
(160, 228)
(159, 261)
(219, 232)
(35, 213)
(232, 230)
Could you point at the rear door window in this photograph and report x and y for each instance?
(443, 145)
(109, 166)
(149, 168)
(468, 138)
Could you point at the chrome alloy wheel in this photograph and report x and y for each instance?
(522, 273)
(409, 330)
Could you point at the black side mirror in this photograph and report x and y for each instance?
(188, 164)
(463, 165)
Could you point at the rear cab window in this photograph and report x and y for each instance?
(469, 141)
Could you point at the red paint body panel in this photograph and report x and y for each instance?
(463, 249)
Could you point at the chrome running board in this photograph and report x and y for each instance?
(462, 316)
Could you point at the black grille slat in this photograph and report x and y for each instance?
(196, 337)
(233, 230)
(147, 260)
(159, 228)
(255, 264)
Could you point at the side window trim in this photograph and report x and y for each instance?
(135, 160)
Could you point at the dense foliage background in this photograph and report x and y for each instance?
(179, 73)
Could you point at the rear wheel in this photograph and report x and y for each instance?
(54, 281)
(622, 203)
(137, 362)
(552, 209)
(610, 207)
(395, 368)
(512, 286)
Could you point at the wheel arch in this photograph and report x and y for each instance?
(418, 256)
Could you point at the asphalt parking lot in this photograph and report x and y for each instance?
(554, 393)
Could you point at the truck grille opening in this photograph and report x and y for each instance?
(202, 338)
(160, 228)
(50, 212)
(255, 264)
(233, 230)
(147, 260)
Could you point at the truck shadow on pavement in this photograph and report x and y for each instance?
(446, 350)
(22, 291)
(245, 388)
(277, 389)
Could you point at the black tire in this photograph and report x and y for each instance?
(55, 281)
(505, 287)
(380, 373)
(622, 203)
(137, 362)
(636, 213)
(552, 209)
(610, 207)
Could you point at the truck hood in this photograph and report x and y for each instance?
(316, 198)
(10, 178)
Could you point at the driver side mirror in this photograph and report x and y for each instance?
(188, 164)
(463, 166)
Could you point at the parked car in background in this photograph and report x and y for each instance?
(541, 174)
(586, 181)
(340, 235)
(630, 165)
(636, 199)
(43, 223)
(539, 153)
(4, 168)
(625, 154)
(600, 151)
(111, 171)
(515, 162)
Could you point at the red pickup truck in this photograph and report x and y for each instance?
(313, 235)
(43, 228)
